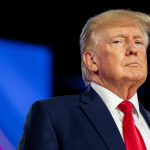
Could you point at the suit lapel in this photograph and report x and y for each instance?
(102, 120)
(145, 114)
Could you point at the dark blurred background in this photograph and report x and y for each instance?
(58, 24)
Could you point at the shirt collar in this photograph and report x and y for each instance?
(112, 100)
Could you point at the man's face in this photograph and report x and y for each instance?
(122, 55)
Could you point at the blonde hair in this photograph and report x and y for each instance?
(90, 33)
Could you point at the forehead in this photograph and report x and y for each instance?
(123, 31)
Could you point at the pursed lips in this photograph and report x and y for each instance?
(133, 64)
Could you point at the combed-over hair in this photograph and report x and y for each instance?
(89, 36)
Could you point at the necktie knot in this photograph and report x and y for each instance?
(125, 106)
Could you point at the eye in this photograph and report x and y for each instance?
(138, 43)
(116, 42)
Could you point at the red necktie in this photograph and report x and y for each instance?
(132, 137)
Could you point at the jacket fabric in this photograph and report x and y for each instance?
(72, 122)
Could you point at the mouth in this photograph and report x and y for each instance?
(133, 64)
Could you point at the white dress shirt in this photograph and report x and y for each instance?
(112, 101)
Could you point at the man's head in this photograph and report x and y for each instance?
(95, 42)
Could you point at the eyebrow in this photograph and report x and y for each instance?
(124, 35)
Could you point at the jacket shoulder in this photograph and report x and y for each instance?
(59, 104)
(67, 99)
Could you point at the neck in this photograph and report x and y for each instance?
(125, 90)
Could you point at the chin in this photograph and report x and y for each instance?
(137, 76)
(140, 79)
(137, 80)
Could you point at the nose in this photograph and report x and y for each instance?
(132, 48)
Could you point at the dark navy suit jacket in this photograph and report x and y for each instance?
(74, 122)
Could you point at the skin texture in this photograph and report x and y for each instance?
(119, 61)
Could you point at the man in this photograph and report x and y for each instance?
(114, 64)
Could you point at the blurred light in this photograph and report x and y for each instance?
(5, 143)
(26, 73)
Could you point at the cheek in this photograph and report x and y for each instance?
(116, 59)
(110, 60)
(144, 59)
(112, 63)
(145, 64)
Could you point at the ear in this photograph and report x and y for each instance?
(89, 58)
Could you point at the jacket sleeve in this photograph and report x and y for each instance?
(38, 130)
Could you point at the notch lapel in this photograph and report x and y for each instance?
(101, 119)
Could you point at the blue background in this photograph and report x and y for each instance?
(26, 75)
